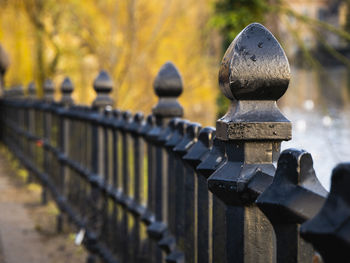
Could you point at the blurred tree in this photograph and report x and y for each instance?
(44, 17)
(131, 39)
(231, 16)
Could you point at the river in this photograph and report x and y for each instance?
(318, 104)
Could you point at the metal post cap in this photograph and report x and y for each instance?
(168, 87)
(67, 86)
(67, 89)
(255, 72)
(103, 85)
(254, 66)
(168, 82)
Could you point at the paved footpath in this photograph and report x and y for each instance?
(19, 242)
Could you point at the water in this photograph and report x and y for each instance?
(319, 107)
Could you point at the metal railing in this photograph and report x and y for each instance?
(137, 188)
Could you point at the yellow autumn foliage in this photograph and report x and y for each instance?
(131, 39)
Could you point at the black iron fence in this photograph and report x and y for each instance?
(137, 187)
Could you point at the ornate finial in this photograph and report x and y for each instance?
(31, 91)
(255, 71)
(67, 89)
(168, 86)
(329, 230)
(103, 85)
(49, 89)
(254, 66)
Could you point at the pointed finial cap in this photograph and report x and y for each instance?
(67, 89)
(168, 82)
(49, 89)
(103, 85)
(168, 87)
(67, 86)
(254, 66)
(255, 72)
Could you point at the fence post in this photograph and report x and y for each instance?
(190, 188)
(176, 192)
(106, 121)
(198, 153)
(116, 186)
(66, 101)
(329, 230)
(137, 183)
(294, 196)
(103, 86)
(147, 215)
(168, 87)
(168, 242)
(49, 90)
(125, 183)
(254, 74)
(216, 208)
